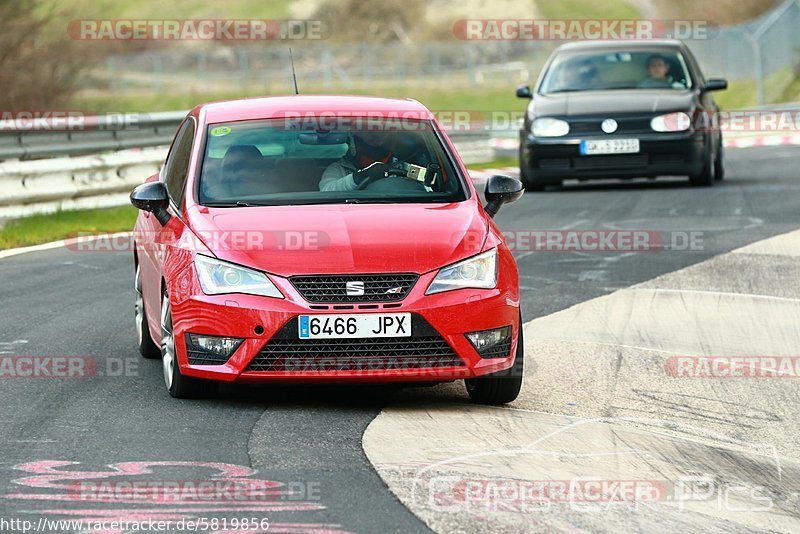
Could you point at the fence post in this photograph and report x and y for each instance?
(471, 66)
(158, 69)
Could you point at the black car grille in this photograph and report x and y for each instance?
(624, 125)
(611, 162)
(425, 349)
(333, 288)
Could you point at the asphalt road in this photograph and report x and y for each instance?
(115, 427)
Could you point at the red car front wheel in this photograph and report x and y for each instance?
(501, 387)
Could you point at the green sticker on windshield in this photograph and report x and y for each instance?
(219, 131)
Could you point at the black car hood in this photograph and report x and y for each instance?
(610, 102)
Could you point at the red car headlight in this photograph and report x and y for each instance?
(219, 277)
(479, 272)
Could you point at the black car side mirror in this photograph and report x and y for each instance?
(152, 197)
(501, 190)
(524, 91)
(716, 84)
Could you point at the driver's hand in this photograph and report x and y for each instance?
(375, 170)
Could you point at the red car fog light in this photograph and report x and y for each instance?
(492, 343)
(210, 350)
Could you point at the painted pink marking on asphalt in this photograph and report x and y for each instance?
(50, 475)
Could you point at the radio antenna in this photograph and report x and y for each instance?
(294, 74)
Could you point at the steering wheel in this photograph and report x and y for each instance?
(371, 180)
(396, 184)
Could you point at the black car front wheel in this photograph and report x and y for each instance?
(706, 176)
(719, 164)
(529, 180)
(501, 387)
(532, 185)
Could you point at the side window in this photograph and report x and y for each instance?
(177, 166)
(694, 67)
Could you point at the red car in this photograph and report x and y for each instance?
(339, 241)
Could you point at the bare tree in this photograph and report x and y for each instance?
(39, 63)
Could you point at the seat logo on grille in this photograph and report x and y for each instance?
(355, 288)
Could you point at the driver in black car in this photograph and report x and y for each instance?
(657, 73)
(369, 156)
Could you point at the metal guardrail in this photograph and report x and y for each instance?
(98, 164)
(88, 135)
(83, 182)
(115, 132)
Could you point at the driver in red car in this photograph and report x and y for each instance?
(368, 157)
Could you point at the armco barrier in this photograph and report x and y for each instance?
(103, 180)
(47, 185)
(96, 134)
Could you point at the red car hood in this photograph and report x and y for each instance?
(342, 238)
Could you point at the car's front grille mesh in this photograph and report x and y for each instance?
(501, 350)
(348, 288)
(425, 349)
(611, 162)
(355, 354)
(624, 125)
(206, 358)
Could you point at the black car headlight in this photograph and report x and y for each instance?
(671, 122)
(546, 127)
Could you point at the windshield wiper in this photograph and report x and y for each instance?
(237, 204)
(567, 91)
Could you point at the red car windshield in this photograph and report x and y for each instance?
(282, 162)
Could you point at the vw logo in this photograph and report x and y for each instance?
(354, 288)
(609, 126)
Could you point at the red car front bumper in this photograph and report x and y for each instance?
(450, 314)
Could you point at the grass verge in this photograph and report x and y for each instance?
(39, 229)
(499, 163)
(501, 98)
(587, 9)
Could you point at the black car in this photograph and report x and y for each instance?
(612, 109)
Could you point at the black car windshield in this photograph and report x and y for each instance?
(286, 162)
(603, 71)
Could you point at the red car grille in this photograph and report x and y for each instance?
(425, 349)
(374, 287)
